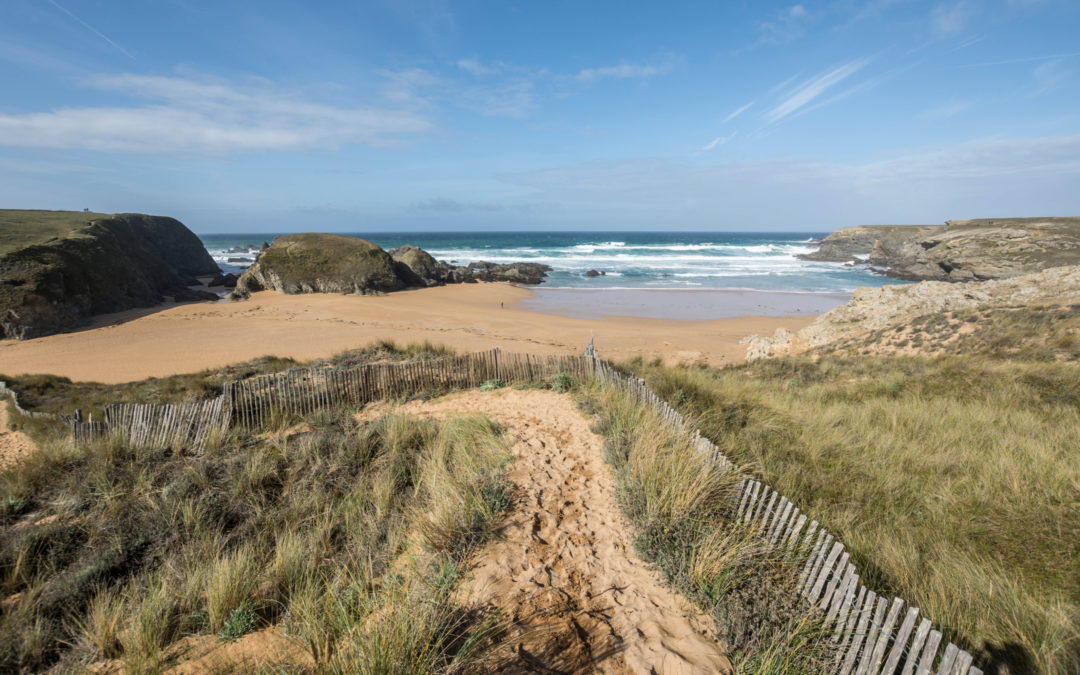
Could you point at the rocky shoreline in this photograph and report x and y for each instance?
(896, 306)
(333, 263)
(960, 250)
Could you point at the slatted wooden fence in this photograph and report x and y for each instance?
(874, 634)
(253, 402)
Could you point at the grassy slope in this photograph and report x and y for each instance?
(348, 536)
(19, 229)
(953, 479)
(50, 393)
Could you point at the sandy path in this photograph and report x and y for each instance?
(470, 317)
(14, 445)
(564, 568)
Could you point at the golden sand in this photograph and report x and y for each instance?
(171, 339)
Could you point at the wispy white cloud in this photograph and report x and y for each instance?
(504, 96)
(448, 205)
(203, 116)
(625, 70)
(719, 140)
(1050, 74)
(808, 91)
(90, 28)
(983, 178)
(949, 18)
(949, 109)
(785, 26)
(945, 111)
(738, 111)
(480, 69)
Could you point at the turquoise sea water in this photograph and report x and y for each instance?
(630, 260)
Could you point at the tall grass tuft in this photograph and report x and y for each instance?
(681, 505)
(953, 481)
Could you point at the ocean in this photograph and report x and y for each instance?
(629, 260)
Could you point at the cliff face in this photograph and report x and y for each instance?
(852, 244)
(333, 263)
(106, 264)
(895, 308)
(961, 250)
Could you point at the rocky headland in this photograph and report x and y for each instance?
(59, 268)
(333, 263)
(960, 250)
(874, 312)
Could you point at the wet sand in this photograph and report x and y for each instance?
(173, 339)
(682, 305)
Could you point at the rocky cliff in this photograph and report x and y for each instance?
(333, 263)
(897, 308)
(961, 250)
(57, 269)
(855, 244)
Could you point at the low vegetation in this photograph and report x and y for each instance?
(19, 229)
(347, 537)
(681, 506)
(952, 479)
(1030, 333)
(50, 393)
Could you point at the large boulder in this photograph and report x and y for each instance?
(59, 268)
(416, 267)
(320, 263)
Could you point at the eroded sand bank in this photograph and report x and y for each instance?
(185, 338)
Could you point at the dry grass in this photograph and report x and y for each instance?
(681, 506)
(953, 480)
(349, 535)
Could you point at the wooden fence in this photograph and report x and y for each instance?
(874, 634)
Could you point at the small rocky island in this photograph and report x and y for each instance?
(334, 263)
(959, 250)
(59, 268)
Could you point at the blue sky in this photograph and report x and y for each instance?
(428, 115)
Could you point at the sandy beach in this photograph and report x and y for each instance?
(172, 338)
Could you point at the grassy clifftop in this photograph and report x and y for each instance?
(19, 229)
(57, 268)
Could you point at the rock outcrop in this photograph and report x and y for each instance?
(961, 250)
(320, 263)
(85, 264)
(332, 263)
(888, 307)
(855, 244)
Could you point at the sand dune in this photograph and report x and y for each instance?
(185, 338)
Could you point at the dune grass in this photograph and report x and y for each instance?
(54, 394)
(953, 480)
(347, 536)
(682, 508)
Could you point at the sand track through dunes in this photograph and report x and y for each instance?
(563, 567)
(14, 445)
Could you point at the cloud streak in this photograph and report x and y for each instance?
(90, 28)
(738, 112)
(205, 117)
(811, 89)
(623, 71)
